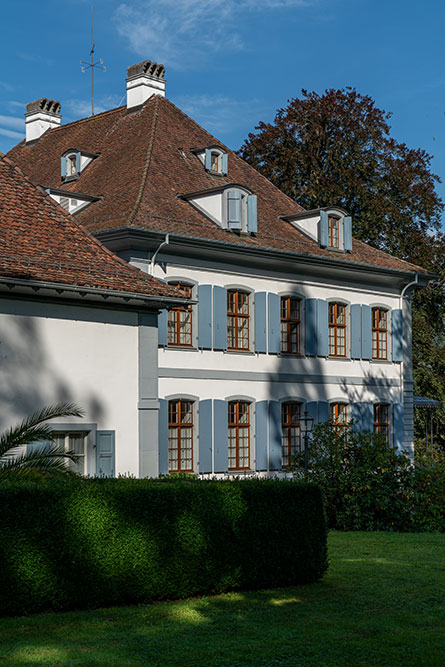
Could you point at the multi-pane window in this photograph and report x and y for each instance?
(237, 320)
(239, 435)
(76, 442)
(381, 420)
(334, 232)
(71, 169)
(180, 436)
(339, 415)
(379, 333)
(290, 325)
(215, 161)
(290, 431)
(180, 329)
(337, 330)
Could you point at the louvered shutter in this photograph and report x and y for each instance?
(275, 435)
(356, 331)
(219, 318)
(162, 328)
(398, 426)
(63, 167)
(234, 209)
(252, 223)
(363, 416)
(347, 233)
(274, 323)
(205, 317)
(311, 408)
(324, 414)
(221, 435)
(224, 167)
(208, 159)
(105, 453)
(323, 229)
(260, 322)
(397, 334)
(311, 327)
(78, 159)
(205, 436)
(366, 332)
(261, 409)
(322, 328)
(163, 437)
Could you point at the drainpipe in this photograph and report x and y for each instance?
(165, 242)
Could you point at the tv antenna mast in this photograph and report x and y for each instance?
(92, 65)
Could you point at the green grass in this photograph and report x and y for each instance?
(381, 603)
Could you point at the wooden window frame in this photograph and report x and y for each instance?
(66, 445)
(237, 426)
(287, 424)
(381, 351)
(381, 422)
(174, 316)
(237, 319)
(335, 326)
(334, 231)
(334, 409)
(286, 322)
(180, 426)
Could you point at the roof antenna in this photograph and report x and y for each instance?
(92, 65)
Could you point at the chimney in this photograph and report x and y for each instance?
(144, 80)
(41, 115)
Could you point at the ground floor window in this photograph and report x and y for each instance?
(239, 435)
(290, 431)
(381, 420)
(339, 415)
(77, 443)
(180, 436)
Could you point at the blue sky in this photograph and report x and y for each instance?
(231, 63)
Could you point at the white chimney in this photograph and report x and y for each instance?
(41, 115)
(144, 80)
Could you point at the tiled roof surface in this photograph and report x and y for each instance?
(147, 159)
(40, 241)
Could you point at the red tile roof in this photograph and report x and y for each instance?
(146, 159)
(41, 242)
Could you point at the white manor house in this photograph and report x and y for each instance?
(279, 310)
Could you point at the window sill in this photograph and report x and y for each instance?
(243, 352)
(380, 361)
(182, 348)
(338, 358)
(69, 179)
(292, 355)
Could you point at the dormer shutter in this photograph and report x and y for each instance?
(347, 233)
(234, 209)
(78, 158)
(224, 167)
(252, 225)
(323, 229)
(208, 159)
(63, 167)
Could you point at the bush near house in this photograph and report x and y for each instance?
(82, 544)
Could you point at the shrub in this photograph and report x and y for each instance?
(90, 543)
(427, 498)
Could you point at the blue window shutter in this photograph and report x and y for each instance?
(105, 453)
(208, 159)
(274, 323)
(366, 332)
(324, 414)
(163, 436)
(275, 435)
(252, 223)
(398, 426)
(219, 318)
(347, 233)
(311, 408)
(205, 436)
(78, 158)
(397, 334)
(221, 435)
(363, 416)
(224, 167)
(205, 317)
(63, 167)
(162, 328)
(260, 322)
(234, 209)
(356, 331)
(323, 229)
(311, 327)
(261, 409)
(323, 328)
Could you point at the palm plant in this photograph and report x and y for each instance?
(48, 459)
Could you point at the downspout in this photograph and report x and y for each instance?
(165, 242)
(402, 365)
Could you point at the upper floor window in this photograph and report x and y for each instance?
(180, 436)
(337, 330)
(237, 320)
(215, 160)
(339, 415)
(239, 435)
(335, 229)
(75, 442)
(379, 333)
(381, 420)
(70, 165)
(290, 431)
(290, 325)
(334, 232)
(240, 210)
(180, 320)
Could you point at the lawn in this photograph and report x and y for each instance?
(381, 603)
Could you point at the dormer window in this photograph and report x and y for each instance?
(71, 165)
(73, 162)
(334, 232)
(240, 210)
(215, 161)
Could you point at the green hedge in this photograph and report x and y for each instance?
(95, 543)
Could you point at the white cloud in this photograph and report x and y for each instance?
(12, 134)
(76, 108)
(13, 121)
(180, 32)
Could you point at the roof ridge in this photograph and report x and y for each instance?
(140, 194)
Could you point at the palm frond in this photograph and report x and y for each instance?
(45, 459)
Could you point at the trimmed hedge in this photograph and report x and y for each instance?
(92, 543)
